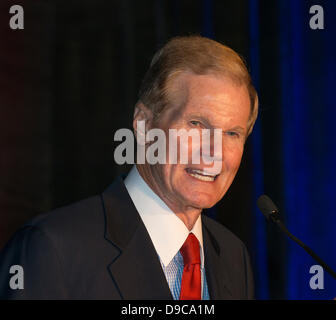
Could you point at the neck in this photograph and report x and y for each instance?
(189, 218)
(187, 214)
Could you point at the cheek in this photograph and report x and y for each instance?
(171, 174)
(163, 175)
(233, 158)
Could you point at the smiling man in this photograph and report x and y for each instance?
(145, 237)
(209, 102)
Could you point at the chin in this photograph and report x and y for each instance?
(202, 201)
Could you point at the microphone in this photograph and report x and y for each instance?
(271, 212)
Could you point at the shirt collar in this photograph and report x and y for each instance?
(165, 228)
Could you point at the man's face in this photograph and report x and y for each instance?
(202, 102)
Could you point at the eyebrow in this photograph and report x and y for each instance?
(238, 128)
(198, 117)
(206, 121)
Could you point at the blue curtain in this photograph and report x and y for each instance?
(260, 250)
(305, 71)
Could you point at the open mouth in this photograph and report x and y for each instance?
(202, 175)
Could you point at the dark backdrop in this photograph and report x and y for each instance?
(69, 80)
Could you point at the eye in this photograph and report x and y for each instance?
(233, 134)
(195, 123)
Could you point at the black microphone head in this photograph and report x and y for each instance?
(267, 207)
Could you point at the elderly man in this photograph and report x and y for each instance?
(145, 236)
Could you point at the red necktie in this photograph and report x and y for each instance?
(191, 277)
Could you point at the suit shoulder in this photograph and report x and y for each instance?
(79, 210)
(76, 220)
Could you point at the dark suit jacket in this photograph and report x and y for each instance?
(99, 248)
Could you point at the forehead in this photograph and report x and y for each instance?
(214, 97)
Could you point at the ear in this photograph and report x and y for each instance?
(145, 115)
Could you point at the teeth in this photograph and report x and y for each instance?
(203, 173)
(201, 177)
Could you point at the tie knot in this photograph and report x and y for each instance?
(190, 250)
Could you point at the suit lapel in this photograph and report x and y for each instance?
(217, 279)
(135, 270)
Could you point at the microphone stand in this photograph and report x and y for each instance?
(276, 220)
